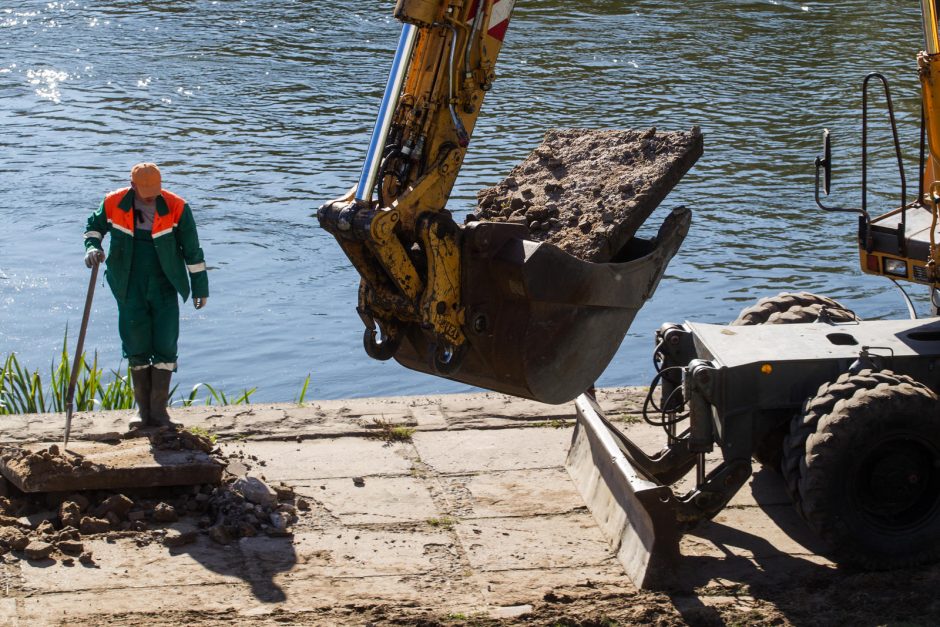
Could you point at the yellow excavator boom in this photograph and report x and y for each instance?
(480, 304)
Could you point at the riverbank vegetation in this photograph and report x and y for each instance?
(26, 392)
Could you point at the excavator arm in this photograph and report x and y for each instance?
(482, 303)
(395, 227)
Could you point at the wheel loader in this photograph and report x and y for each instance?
(846, 409)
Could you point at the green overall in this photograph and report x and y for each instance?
(146, 273)
(148, 318)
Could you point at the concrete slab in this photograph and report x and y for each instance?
(364, 552)
(511, 493)
(327, 458)
(8, 613)
(539, 542)
(510, 533)
(133, 566)
(451, 452)
(330, 418)
(96, 607)
(743, 532)
(380, 500)
(87, 465)
(516, 586)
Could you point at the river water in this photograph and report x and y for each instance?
(258, 111)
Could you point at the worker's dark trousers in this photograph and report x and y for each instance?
(149, 318)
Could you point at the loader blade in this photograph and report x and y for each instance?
(540, 323)
(635, 514)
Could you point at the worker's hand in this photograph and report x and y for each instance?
(199, 301)
(93, 257)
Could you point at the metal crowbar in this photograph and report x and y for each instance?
(78, 354)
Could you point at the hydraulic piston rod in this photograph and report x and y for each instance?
(396, 78)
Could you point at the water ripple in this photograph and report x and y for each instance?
(258, 113)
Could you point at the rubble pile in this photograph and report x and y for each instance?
(248, 506)
(589, 191)
(54, 525)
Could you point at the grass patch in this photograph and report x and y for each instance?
(629, 419)
(303, 392)
(202, 433)
(214, 396)
(24, 392)
(391, 432)
(444, 522)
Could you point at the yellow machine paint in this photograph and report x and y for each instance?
(450, 70)
(915, 256)
(927, 63)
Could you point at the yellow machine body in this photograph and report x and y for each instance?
(902, 244)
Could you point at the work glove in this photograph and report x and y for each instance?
(199, 301)
(93, 257)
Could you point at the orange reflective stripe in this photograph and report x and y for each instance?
(165, 224)
(117, 217)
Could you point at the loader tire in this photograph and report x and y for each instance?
(787, 308)
(805, 423)
(793, 308)
(870, 476)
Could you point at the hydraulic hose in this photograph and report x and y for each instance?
(463, 138)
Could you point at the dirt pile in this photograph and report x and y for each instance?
(48, 462)
(44, 525)
(588, 191)
(149, 458)
(39, 469)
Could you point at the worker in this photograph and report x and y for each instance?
(154, 255)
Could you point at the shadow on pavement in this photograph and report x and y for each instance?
(255, 560)
(752, 564)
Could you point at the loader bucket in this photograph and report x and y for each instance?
(540, 323)
(635, 514)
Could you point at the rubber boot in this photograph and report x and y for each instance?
(159, 397)
(140, 378)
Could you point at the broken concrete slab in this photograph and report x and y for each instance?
(588, 191)
(133, 463)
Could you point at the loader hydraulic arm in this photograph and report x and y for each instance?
(394, 226)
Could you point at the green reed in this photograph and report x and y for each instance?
(23, 392)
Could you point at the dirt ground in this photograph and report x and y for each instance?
(588, 191)
(451, 510)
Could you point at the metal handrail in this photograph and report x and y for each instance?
(897, 145)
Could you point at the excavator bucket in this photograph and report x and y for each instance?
(635, 513)
(540, 323)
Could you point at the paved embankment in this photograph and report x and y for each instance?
(471, 520)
